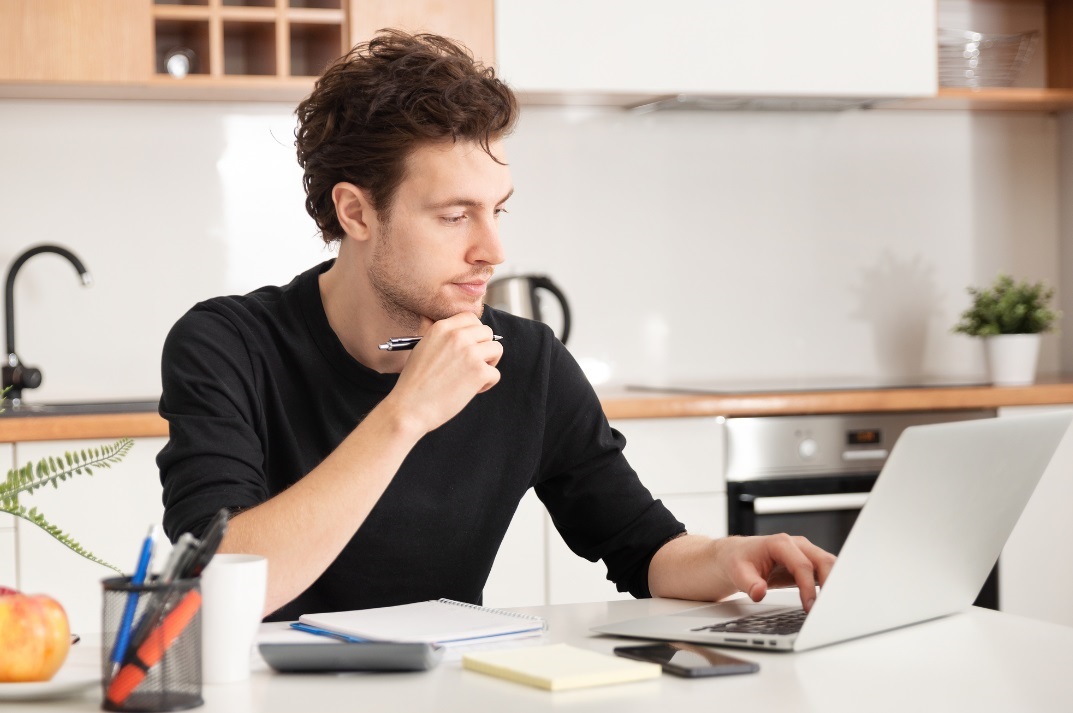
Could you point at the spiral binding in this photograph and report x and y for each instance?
(502, 612)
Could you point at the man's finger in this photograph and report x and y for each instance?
(823, 562)
(786, 551)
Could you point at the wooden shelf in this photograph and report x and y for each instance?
(252, 39)
(244, 50)
(997, 99)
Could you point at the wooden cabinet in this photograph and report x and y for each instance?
(468, 21)
(230, 49)
(552, 52)
(85, 41)
(246, 39)
(108, 513)
(1051, 89)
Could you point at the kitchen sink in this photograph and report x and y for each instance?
(78, 408)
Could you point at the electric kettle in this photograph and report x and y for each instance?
(518, 295)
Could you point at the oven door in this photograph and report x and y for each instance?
(823, 509)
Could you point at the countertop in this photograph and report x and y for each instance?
(979, 661)
(619, 403)
(626, 403)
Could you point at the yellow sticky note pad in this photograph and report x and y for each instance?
(559, 667)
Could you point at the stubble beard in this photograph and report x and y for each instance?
(406, 303)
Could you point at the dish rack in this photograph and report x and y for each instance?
(974, 59)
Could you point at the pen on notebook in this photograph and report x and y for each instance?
(299, 626)
(140, 572)
(398, 344)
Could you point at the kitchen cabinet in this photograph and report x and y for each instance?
(518, 576)
(680, 460)
(8, 570)
(1036, 566)
(74, 41)
(1052, 18)
(631, 52)
(468, 21)
(108, 513)
(233, 49)
(241, 41)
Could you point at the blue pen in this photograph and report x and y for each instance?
(324, 632)
(140, 573)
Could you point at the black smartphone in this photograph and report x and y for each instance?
(688, 660)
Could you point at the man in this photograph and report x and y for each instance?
(371, 477)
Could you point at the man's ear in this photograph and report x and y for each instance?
(354, 210)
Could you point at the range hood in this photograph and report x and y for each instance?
(690, 102)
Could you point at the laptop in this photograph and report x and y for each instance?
(934, 525)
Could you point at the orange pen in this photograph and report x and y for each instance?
(152, 649)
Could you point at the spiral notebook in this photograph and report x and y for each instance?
(437, 621)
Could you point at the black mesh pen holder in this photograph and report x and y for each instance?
(160, 668)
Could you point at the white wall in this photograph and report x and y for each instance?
(739, 246)
(708, 246)
(166, 203)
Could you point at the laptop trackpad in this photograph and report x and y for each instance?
(733, 609)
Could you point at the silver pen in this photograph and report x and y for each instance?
(399, 344)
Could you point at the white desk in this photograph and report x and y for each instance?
(978, 661)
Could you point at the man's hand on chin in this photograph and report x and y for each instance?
(455, 360)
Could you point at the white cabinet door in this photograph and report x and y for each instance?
(681, 461)
(517, 577)
(8, 570)
(676, 455)
(839, 48)
(572, 579)
(108, 513)
(1036, 566)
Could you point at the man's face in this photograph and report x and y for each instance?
(438, 249)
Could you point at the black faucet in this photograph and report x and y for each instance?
(15, 375)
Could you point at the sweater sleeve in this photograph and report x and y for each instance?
(214, 456)
(594, 497)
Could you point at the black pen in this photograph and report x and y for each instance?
(398, 344)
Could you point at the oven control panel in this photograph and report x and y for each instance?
(839, 444)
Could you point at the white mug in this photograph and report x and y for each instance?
(233, 591)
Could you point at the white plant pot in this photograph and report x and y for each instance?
(1012, 358)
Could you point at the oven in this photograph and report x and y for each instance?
(811, 475)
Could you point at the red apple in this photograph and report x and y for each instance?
(34, 637)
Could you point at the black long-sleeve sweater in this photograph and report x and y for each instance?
(258, 390)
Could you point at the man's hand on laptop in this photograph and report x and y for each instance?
(755, 563)
(699, 568)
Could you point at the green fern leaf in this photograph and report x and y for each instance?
(53, 471)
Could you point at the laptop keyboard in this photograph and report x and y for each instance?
(777, 623)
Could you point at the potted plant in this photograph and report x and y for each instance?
(1010, 317)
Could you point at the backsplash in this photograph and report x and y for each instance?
(693, 245)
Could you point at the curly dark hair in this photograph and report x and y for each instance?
(380, 101)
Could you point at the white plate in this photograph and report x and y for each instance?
(68, 681)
